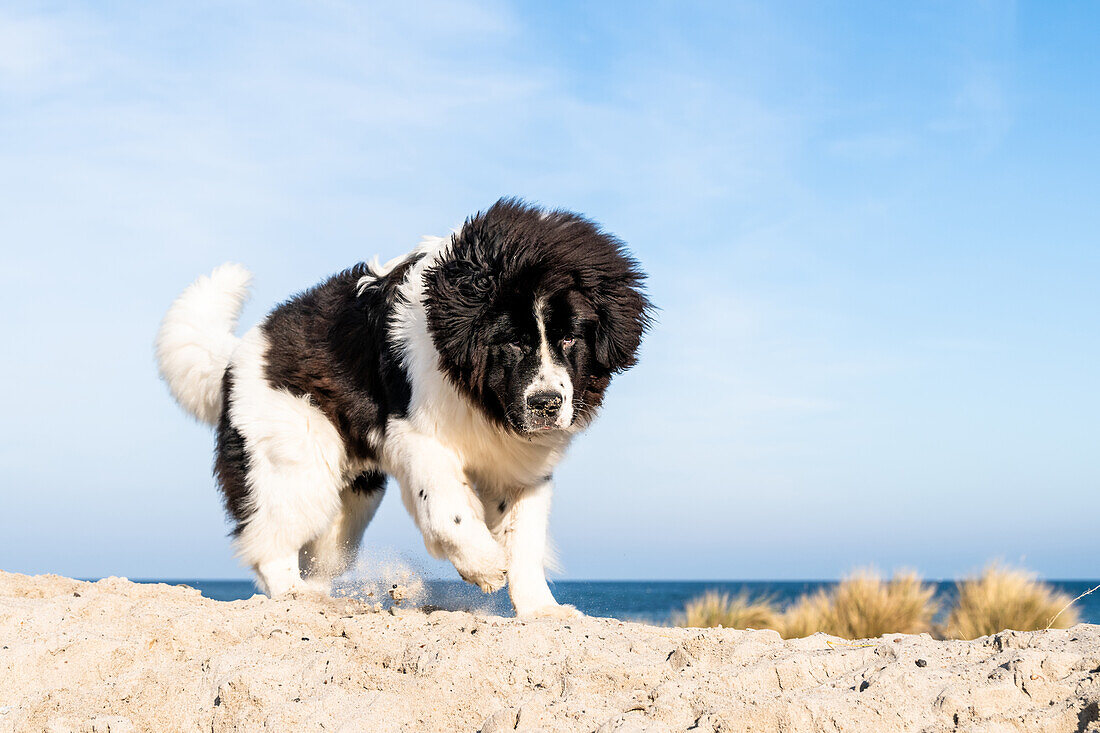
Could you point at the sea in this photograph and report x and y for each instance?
(649, 601)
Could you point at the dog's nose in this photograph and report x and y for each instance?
(544, 403)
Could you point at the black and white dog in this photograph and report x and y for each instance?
(462, 369)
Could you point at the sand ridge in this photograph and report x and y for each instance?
(119, 656)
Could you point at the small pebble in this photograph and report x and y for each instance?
(922, 663)
(864, 685)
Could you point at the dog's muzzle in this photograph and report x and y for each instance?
(543, 409)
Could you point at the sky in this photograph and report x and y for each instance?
(871, 229)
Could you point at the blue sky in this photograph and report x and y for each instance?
(872, 231)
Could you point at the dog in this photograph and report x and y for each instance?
(463, 370)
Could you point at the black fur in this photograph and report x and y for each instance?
(369, 482)
(480, 303)
(231, 464)
(332, 343)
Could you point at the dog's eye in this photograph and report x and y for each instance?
(568, 341)
(477, 287)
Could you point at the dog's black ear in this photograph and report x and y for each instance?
(623, 315)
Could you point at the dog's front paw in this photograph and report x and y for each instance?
(486, 567)
(559, 611)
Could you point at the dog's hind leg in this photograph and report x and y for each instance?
(295, 463)
(331, 554)
(291, 506)
(293, 500)
(278, 575)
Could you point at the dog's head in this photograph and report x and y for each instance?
(532, 312)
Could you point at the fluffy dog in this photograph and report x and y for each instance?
(462, 369)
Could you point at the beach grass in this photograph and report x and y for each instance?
(1006, 598)
(808, 615)
(738, 611)
(864, 605)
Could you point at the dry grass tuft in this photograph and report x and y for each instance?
(809, 615)
(731, 612)
(1006, 598)
(863, 606)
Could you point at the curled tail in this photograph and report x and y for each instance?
(196, 339)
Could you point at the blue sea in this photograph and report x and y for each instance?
(648, 601)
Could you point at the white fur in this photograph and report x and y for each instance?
(377, 270)
(297, 469)
(523, 532)
(196, 339)
(450, 516)
(551, 376)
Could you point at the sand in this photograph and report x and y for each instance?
(118, 656)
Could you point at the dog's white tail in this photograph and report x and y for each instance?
(196, 339)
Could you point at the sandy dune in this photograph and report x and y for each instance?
(118, 656)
